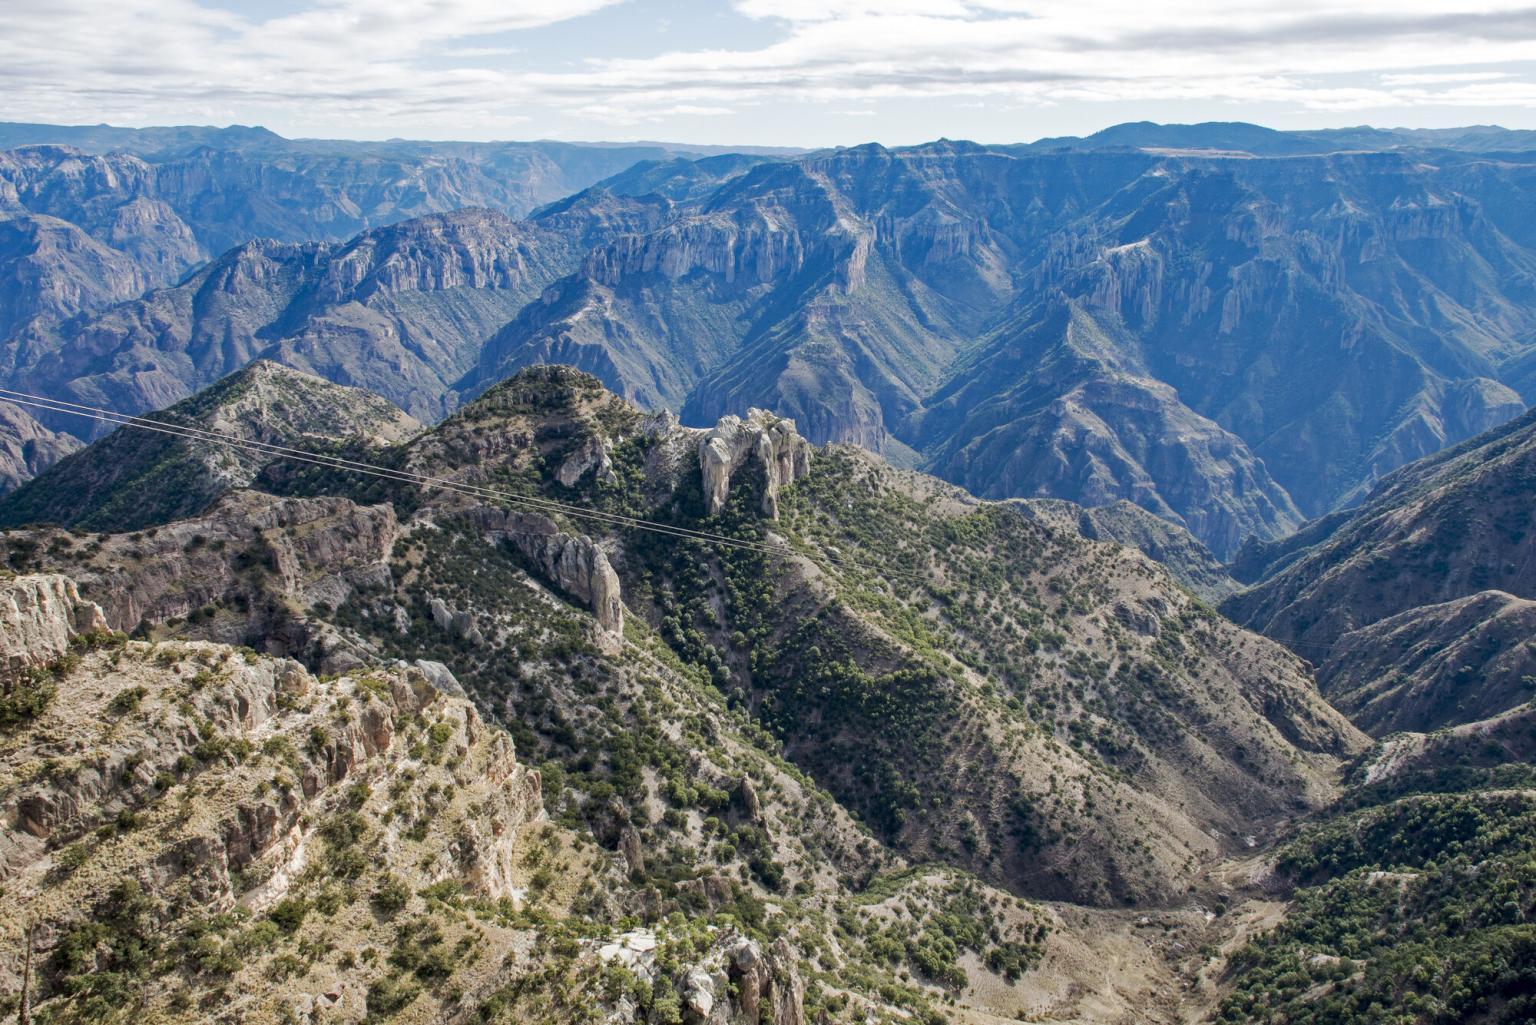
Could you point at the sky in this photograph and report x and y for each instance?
(763, 72)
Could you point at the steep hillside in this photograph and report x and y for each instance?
(1065, 614)
(133, 478)
(1414, 606)
(1085, 419)
(27, 448)
(1186, 560)
(51, 271)
(946, 752)
(1417, 908)
(208, 834)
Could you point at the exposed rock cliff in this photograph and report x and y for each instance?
(574, 564)
(39, 615)
(767, 442)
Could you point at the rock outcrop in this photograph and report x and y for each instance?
(228, 780)
(573, 563)
(736, 982)
(761, 440)
(39, 614)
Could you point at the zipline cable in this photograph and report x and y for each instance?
(536, 503)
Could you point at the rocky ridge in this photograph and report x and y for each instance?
(136, 477)
(770, 737)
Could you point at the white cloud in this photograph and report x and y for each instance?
(393, 62)
(1443, 77)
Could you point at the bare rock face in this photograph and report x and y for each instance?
(251, 838)
(768, 440)
(735, 982)
(39, 614)
(593, 454)
(27, 448)
(575, 564)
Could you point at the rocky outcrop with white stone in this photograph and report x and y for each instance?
(768, 441)
(39, 614)
(573, 563)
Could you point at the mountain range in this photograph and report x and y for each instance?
(500, 714)
(1168, 315)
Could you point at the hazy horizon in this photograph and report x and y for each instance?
(728, 144)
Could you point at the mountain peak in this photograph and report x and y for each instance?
(135, 477)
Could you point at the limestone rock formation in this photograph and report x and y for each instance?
(574, 563)
(226, 784)
(39, 615)
(762, 440)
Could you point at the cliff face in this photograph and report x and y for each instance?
(762, 440)
(40, 615)
(229, 787)
(53, 270)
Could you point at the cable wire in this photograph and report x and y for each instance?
(536, 503)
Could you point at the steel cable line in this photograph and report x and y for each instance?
(193, 433)
(403, 476)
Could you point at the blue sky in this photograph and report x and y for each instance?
(767, 72)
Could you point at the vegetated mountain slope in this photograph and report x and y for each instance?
(217, 835)
(861, 290)
(808, 644)
(400, 310)
(1187, 560)
(987, 694)
(665, 803)
(135, 477)
(1414, 606)
(1417, 907)
(27, 448)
